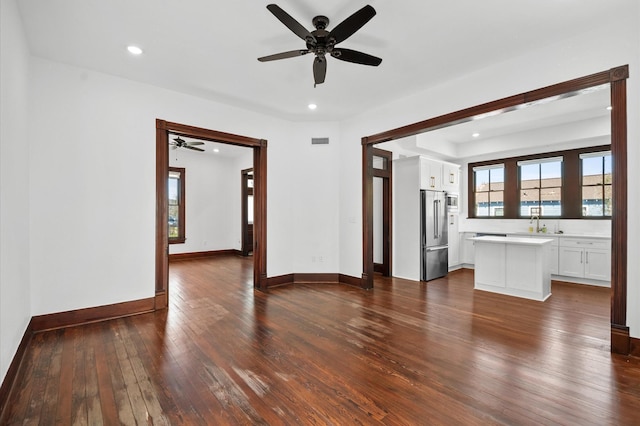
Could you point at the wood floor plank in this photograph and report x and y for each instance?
(80, 412)
(437, 353)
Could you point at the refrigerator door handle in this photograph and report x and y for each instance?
(435, 219)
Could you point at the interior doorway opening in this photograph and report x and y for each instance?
(259, 148)
(616, 78)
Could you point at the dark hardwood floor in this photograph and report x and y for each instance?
(403, 353)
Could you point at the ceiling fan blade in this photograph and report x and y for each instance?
(354, 56)
(195, 143)
(291, 23)
(319, 69)
(193, 148)
(283, 55)
(353, 23)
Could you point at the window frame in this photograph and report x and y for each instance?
(599, 154)
(181, 238)
(488, 168)
(541, 206)
(571, 180)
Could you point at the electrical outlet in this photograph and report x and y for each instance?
(320, 259)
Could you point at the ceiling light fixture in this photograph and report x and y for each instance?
(313, 106)
(216, 150)
(476, 134)
(609, 108)
(134, 50)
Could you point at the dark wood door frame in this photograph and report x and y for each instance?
(259, 146)
(386, 174)
(617, 79)
(246, 230)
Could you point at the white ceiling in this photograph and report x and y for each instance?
(209, 48)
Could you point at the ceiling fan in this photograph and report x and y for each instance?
(321, 42)
(181, 143)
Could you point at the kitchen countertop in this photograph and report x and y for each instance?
(546, 235)
(563, 235)
(513, 240)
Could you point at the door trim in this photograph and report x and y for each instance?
(386, 174)
(259, 146)
(616, 78)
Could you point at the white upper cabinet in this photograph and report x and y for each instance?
(430, 174)
(451, 178)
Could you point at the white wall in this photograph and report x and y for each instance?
(611, 45)
(314, 194)
(213, 199)
(93, 191)
(14, 184)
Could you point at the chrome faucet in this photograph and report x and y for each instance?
(537, 218)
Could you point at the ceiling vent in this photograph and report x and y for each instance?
(319, 141)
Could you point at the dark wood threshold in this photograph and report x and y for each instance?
(90, 315)
(14, 369)
(311, 278)
(200, 254)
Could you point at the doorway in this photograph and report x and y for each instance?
(247, 211)
(259, 146)
(382, 201)
(616, 78)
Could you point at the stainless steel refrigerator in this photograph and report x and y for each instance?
(433, 235)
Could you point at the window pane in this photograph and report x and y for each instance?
(608, 169)
(174, 218)
(250, 209)
(496, 177)
(530, 176)
(551, 174)
(379, 163)
(174, 184)
(529, 199)
(592, 170)
(592, 201)
(482, 204)
(496, 203)
(608, 200)
(551, 201)
(482, 180)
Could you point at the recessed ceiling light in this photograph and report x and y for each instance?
(313, 106)
(134, 50)
(216, 150)
(609, 108)
(476, 134)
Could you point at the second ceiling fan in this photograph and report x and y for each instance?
(321, 42)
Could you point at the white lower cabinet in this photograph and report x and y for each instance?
(584, 258)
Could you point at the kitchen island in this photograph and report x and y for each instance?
(513, 266)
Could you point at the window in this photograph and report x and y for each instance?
(489, 190)
(570, 184)
(540, 186)
(596, 169)
(176, 205)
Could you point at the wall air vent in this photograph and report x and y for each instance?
(319, 141)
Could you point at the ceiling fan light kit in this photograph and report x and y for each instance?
(321, 42)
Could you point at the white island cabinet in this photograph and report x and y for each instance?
(513, 266)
